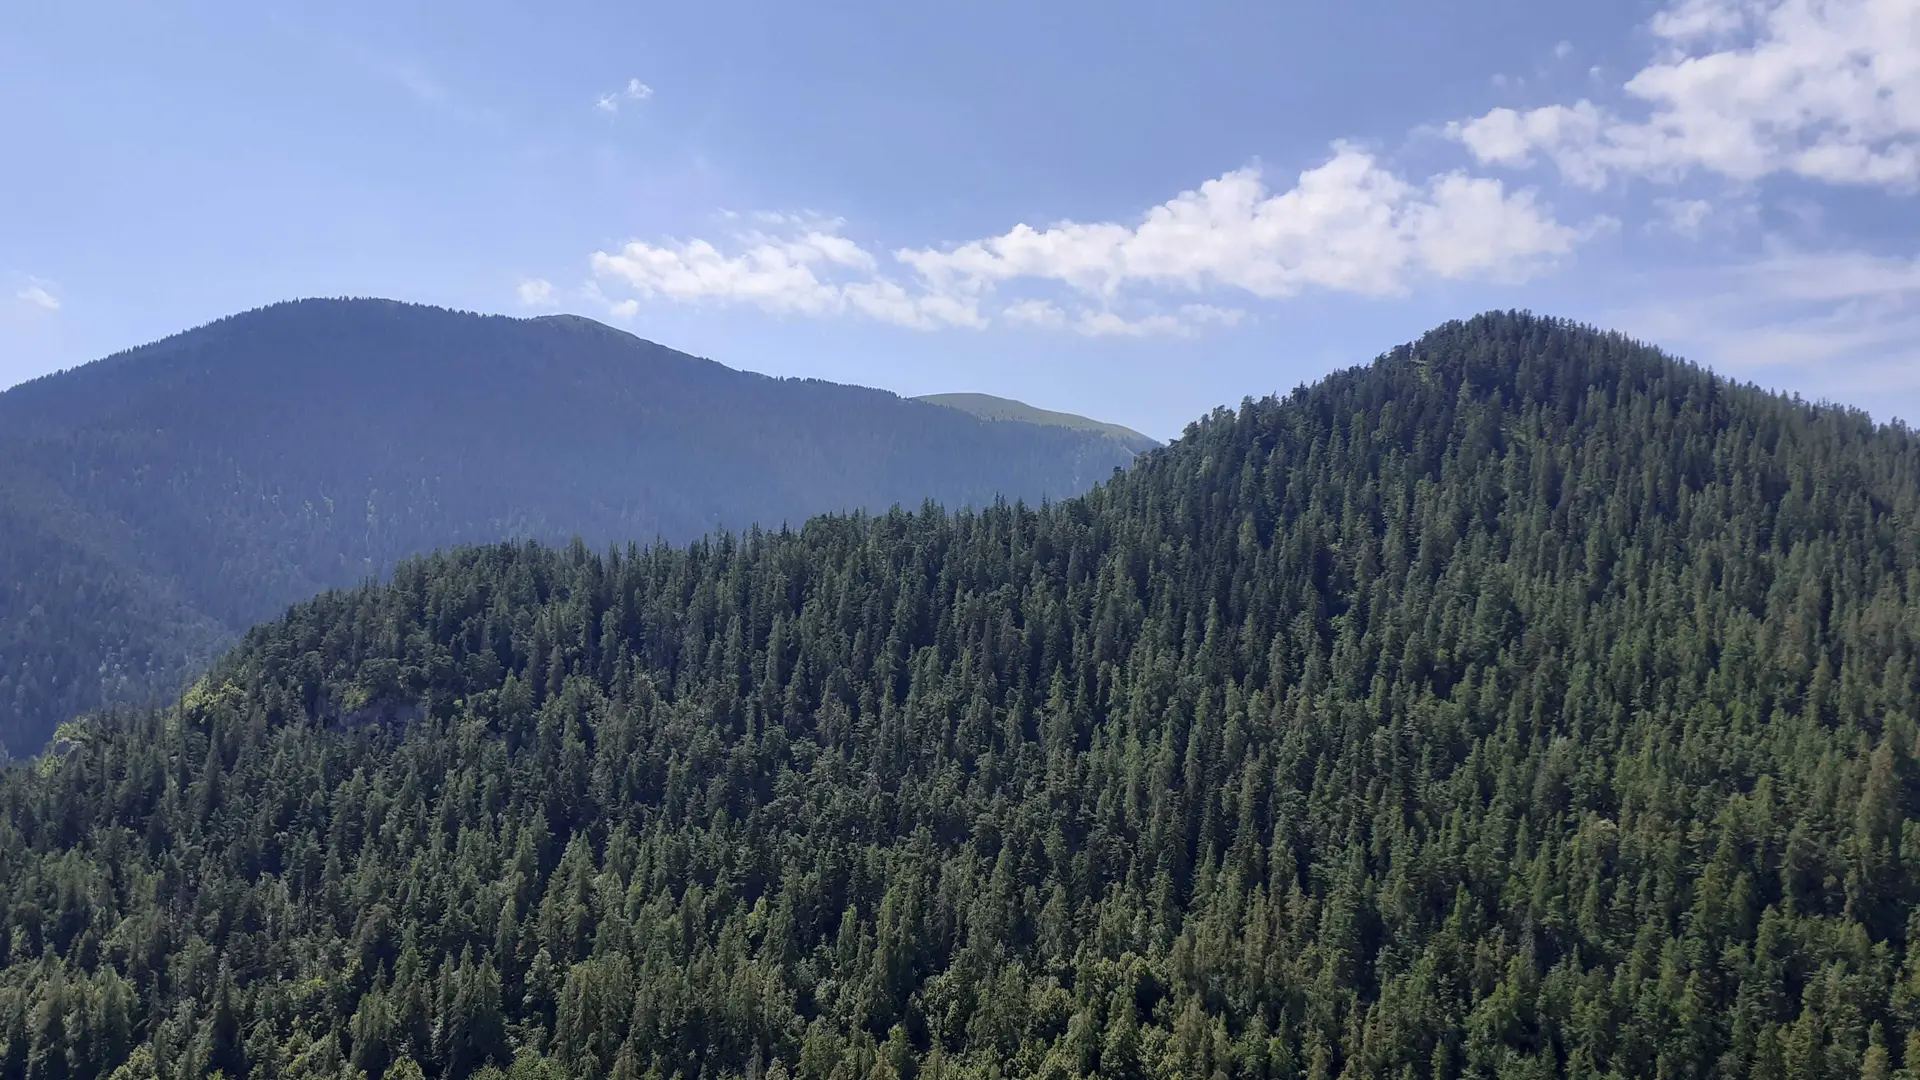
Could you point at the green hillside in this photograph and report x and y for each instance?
(1524, 704)
(988, 407)
(157, 503)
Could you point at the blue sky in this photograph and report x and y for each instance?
(1136, 211)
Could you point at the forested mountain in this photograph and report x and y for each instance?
(989, 407)
(155, 504)
(1524, 704)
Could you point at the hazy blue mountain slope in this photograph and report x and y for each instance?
(160, 501)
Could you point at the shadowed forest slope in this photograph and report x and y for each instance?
(155, 504)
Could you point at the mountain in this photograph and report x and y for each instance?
(989, 407)
(155, 504)
(1524, 704)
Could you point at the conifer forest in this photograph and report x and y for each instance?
(1526, 703)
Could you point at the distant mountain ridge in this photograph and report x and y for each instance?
(156, 503)
(990, 407)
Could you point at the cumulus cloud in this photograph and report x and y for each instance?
(1347, 225)
(814, 272)
(635, 90)
(1827, 90)
(38, 295)
(536, 292)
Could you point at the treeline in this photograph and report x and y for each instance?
(1525, 704)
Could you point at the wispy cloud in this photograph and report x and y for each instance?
(634, 91)
(420, 84)
(424, 88)
(1186, 321)
(37, 294)
(1684, 217)
(1839, 323)
(1042, 313)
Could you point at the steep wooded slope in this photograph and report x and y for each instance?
(1525, 704)
(155, 504)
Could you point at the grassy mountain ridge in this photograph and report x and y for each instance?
(1524, 704)
(210, 479)
(989, 407)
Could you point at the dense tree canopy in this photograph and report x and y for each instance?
(156, 504)
(1524, 704)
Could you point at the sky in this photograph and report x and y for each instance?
(1138, 211)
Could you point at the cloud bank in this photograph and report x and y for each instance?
(1347, 225)
(1826, 90)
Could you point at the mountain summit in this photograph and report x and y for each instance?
(156, 503)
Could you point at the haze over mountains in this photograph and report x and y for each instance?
(1524, 704)
(155, 504)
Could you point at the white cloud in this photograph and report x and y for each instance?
(1347, 225)
(1508, 137)
(777, 277)
(1185, 321)
(1828, 90)
(635, 90)
(1040, 313)
(1839, 324)
(806, 273)
(1108, 324)
(1207, 313)
(1562, 50)
(1834, 276)
(1685, 217)
(37, 294)
(536, 292)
